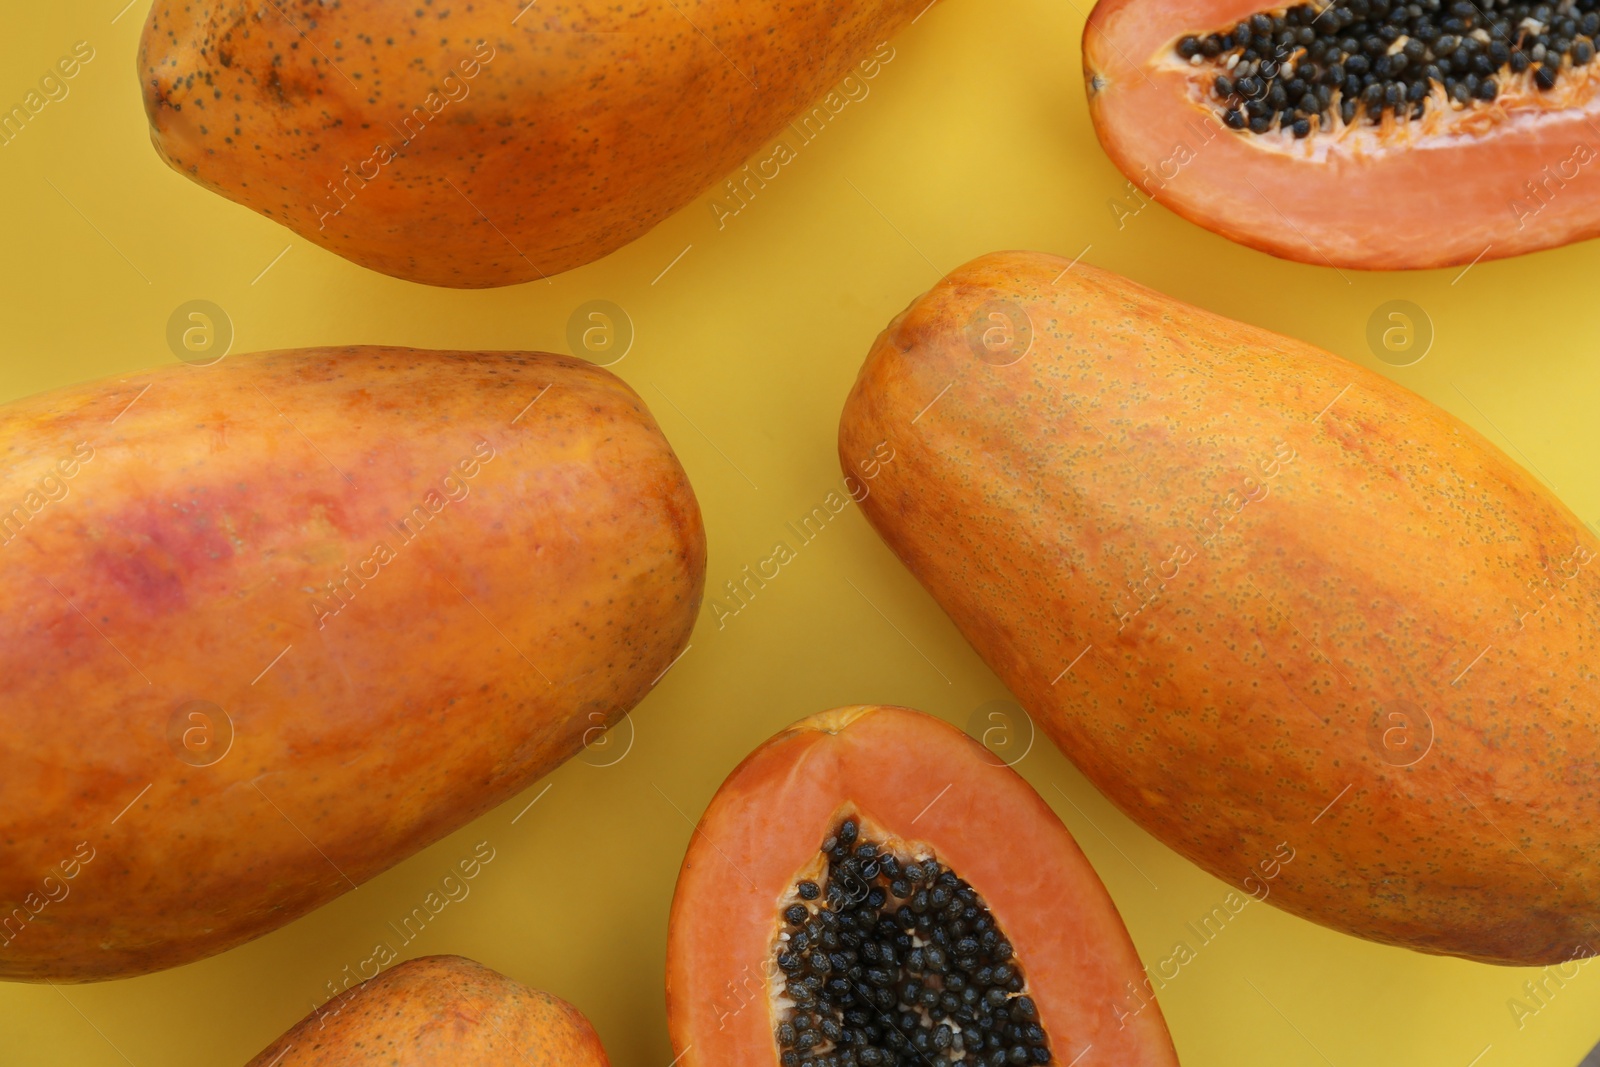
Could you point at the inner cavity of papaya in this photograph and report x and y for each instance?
(1436, 65)
(886, 957)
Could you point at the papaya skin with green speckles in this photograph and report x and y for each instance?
(439, 1011)
(491, 142)
(1267, 600)
(268, 627)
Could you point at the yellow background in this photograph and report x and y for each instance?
(974, 138)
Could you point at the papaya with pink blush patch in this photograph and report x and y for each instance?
(271, 626)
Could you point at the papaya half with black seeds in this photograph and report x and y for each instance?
(490, 143)
(439, 1011)
(871, 886)
(268, 627)
(1372, 134)
(1260, 595)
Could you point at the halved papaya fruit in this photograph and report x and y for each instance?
(1373, 134)
(439, 1011)
(1262, 596)
(872, 888)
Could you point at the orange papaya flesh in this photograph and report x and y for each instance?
(948, 915)
(1285, 138)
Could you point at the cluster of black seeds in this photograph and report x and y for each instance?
(891, 962)
(1296, 70)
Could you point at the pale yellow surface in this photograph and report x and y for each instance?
(974, 138)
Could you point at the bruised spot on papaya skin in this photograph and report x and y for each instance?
(886, 956)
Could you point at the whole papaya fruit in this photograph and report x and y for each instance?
(439, 1011)
(271, 626)
(475, 145)
(1272, 604)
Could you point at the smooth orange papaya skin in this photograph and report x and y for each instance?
(439, 1011)
(1518, 185)
(1259, 595)
(492, 143)
(396, 586)
(920, 779)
